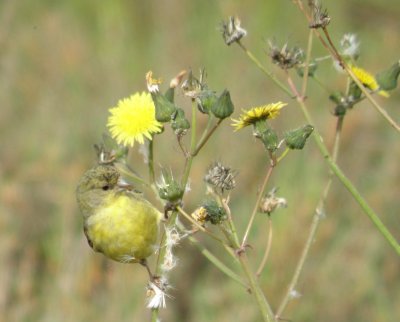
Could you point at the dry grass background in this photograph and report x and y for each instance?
(64, 63)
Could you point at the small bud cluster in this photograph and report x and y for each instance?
(169, 189)
(207, 100)
(211, 212)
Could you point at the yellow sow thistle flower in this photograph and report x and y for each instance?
(368, 80)
(133, 119)
(256, 114)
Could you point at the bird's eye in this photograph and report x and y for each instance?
(105, 188)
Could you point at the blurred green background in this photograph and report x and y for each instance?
(64, 63)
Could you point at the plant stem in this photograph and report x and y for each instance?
(307, 62)
(263, 305)
(283, 155)
(231, 223)
(264, 70)
(199, 227)
(314, 225)
(360, 85)
(221, 266)
(190, 156)
(262, 302)
(267, 248)
(335, 54)
(346, 182)
(151, 162)
(160, 258)
(260, 195)
(205, 138)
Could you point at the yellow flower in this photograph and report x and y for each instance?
(256, 114)
(367, 79)
(133, 119)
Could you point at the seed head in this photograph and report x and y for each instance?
(220, 177)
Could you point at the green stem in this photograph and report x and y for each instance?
(231, 223)
(267, 248)
(205, 137)
(190, 156)
(300, 264)
(283, 155)
(262, 302)
(347, 183)
(335, 54)
(206, 129)
(264, 70)
(364, 205)
(151, 162)
(314, 225)
(257, 204)
(220, 265)
(308, 57)
(360, 85)
(160, 259)
(263, 305)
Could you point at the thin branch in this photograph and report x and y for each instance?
(264, 70)
(267, 248)
(259, 197)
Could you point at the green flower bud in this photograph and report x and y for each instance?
(205, 100)
(223, 106)
(270, 139)
(337, 97)
(354, 91)
(179, 122)
(169, 189)
(164, 108)
(340, 110)
(296, 139)
(387, 79)
(215, 213)
(343, 102)
(170, 94)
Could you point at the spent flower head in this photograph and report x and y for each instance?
(177, 79)
(232, 31)
(220, 177)
(350, 46)
(133, 119)
(156, 293)
(256, 114)
(192, 86)
(320, 16)
(152, 83)
(271, 202)
(285, 57)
